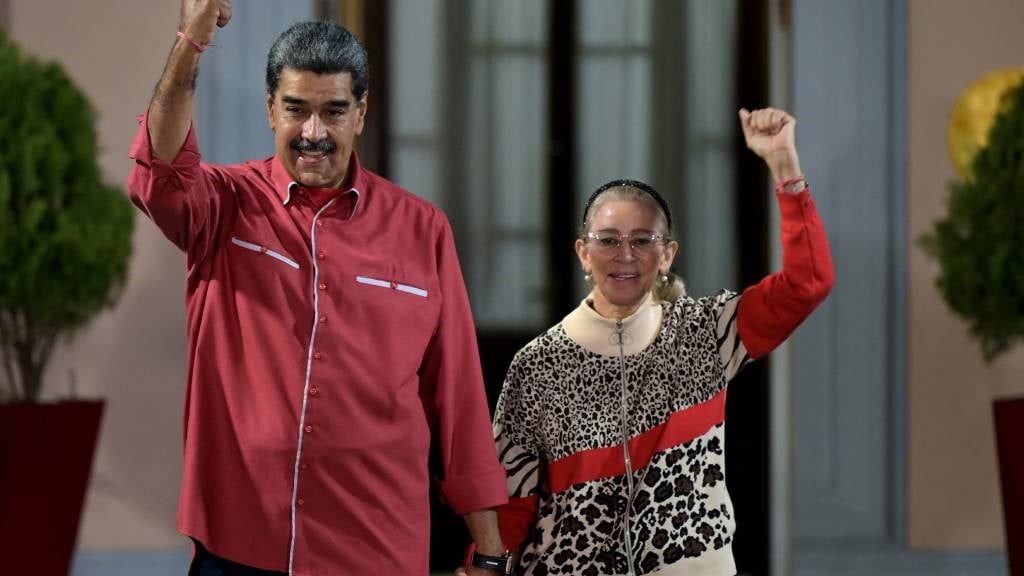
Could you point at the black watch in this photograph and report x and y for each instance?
(500, 564)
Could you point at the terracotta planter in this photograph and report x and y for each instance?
(46, 453)
(1009, 423)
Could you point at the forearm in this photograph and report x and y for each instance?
(170, 111)
(784, 165)
(772, 309)
(483, 528)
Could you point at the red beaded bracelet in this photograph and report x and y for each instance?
(199, 47)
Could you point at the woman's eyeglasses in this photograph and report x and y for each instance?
(610, 242)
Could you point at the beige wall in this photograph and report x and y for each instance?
(953, 482)
(133, 356)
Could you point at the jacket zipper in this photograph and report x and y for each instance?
(626, 522)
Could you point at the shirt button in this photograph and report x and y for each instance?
(300, 502)
(309, 428)
(303, 466)
(321, 255)
(323, 319)
(319, 223)
(317, 355)
(322, 286)
(314, 391)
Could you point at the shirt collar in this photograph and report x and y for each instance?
(595, 332)
(284, 186)
(596, 320)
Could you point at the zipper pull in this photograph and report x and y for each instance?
(616, 338)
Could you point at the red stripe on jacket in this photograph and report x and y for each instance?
(681, 427)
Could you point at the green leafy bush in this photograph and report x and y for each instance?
(65, 236)
(980, 243)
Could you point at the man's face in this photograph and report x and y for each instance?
(315, 119)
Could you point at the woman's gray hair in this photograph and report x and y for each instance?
(321, 47)
(670, 290)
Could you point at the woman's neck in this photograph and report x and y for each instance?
(612, 311)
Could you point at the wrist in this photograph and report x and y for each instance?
(489, 543)
(192, 44)
(791, 185)
(498, 563)
(785, 166)
(198, 34)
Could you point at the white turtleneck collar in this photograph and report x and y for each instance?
(594, 332)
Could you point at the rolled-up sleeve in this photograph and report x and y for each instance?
(472, 477)
(184, 198)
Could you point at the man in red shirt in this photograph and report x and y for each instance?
(331, 345)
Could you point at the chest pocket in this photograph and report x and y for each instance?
(253, 271)
(398, 314)
(277, 255)
(392, 284)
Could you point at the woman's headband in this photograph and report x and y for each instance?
(637, 185)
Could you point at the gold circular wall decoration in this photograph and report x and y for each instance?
(974, 113)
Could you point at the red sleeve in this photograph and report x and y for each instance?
(516, 519)
(473, 478)
(770, 310)
(184, 198)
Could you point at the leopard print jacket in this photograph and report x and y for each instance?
(559, 429)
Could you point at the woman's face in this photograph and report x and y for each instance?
(624, 275)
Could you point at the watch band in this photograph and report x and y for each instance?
(500, 564)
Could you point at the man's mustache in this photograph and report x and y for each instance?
(327, 146)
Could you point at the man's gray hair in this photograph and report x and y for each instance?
(320, 47)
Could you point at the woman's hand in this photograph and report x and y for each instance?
(771, 134)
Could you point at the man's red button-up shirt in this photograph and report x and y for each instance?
(329, 346)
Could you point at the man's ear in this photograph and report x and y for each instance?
(270, 111)
(361, 106)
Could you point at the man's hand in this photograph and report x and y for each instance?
(199, 18)
(771, 134)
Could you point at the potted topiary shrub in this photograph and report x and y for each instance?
(979, 246)
(65, 241)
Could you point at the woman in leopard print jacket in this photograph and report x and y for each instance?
(610, 424)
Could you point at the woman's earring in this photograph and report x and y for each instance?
(664, 278)
(588, 277)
